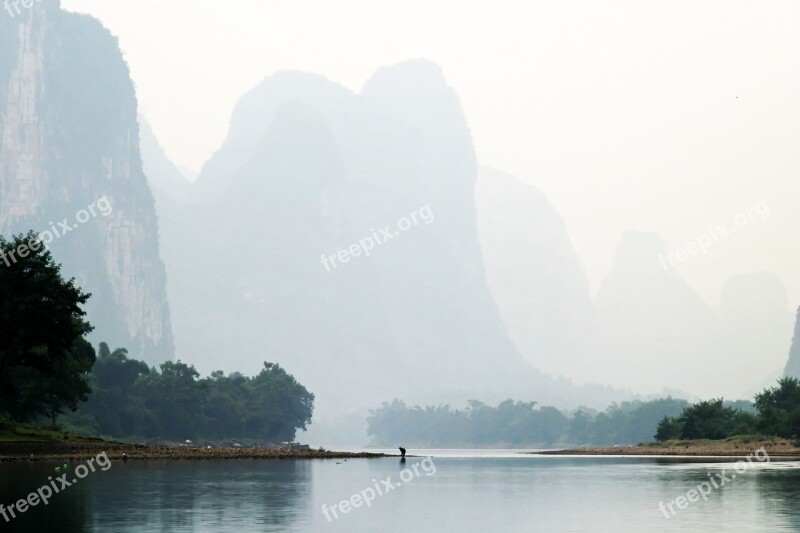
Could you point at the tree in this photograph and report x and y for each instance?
(579, 427)
(115, 369)
(710, 419)
(548, 425)
(779, 409)
(132, 400)
(285, 405)
(115, 410)
(175, 397)
(44, 361)
(70, 384)
(668, 428)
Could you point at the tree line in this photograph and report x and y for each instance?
(774, 412)
(777, 413)
(47, 367)
(173, 402)
(517, 424)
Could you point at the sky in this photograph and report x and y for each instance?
(674, 117)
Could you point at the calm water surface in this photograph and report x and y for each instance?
(484, 491)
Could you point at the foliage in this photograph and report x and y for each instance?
(706, 420)
(44, 360)
(668, 428)
(775, 412)
(779, 409)
(47, 367)
(175, 403)
(516, 424)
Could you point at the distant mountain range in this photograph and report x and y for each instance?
(310, 169)
(655, 330)
(352, 238)
(646, 329)
(535, 275)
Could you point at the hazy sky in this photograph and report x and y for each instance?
(644, 114)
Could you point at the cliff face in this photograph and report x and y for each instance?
(22, 174)
(70, 152)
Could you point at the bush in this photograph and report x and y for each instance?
(706, 420)
(6, 423)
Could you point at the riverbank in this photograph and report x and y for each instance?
(734, 447)
(15, 448)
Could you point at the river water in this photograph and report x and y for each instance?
(459, 491)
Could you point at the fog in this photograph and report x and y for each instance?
(652, 116)
(265, 263)
(569, 203)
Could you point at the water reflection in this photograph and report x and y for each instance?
(65, 511)
(466, 494)
(758, 493)
(780, 491)
(160, 496)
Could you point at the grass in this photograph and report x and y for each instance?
(10, 432)
(23, 435)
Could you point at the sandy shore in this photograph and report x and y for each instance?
(79, 450)
(776, 448)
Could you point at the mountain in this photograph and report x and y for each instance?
(166, 181)
(534, 274)
(337, 233)
(756, 331)
(70, 168)
(653, 329)
(793, 366)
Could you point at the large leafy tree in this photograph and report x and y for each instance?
(284, 404)
(115, 410)
(176, 398)
(44, 361)
(668, 428)
(779, 409)
(711, 419)
(174, 403)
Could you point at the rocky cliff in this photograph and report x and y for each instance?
(70, 166)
